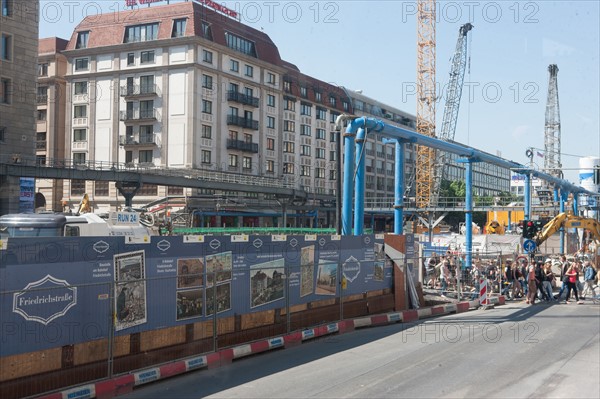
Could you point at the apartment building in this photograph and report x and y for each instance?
(50, 118)
(18, 54)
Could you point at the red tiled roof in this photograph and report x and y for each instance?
(51, 45)
(109, 29)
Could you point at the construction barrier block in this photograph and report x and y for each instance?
(424, 312)
(196, 363)
(146, 376)
(276, 342)
(214, 359)
(462, 307)
(436, 310)
(168, 370)
(55, 395)
(394, 317)
(450, 308)
(346, 326)
(226, 356)
(362, 322)
(409, 315)
(292, 339)
(115, 387)
(81, 392)
(379, 319)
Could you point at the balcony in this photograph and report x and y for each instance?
(143, 115)
(40, 145)
(243, 122)
(42, 98)
(242, 146)
(242, 98)
(145, 90)
(137, 139)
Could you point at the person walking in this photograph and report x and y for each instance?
(548, 279)
(444, 276)
(531, 284)
(589, 275)
(563, 276)
(573, 275)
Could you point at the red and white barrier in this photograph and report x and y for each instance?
(483, 298)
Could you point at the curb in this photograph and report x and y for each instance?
(120, 385)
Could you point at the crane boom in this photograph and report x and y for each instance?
(453, 95)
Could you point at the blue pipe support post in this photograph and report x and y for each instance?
(562, 229)
(575, 204)
(359, 184)
(347, 184)
(469, 211)
(527, 196)
(399, 188)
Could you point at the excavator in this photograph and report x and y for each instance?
(568, 221)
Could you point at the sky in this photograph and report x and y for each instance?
(371, 46)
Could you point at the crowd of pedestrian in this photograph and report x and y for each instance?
(518, 278)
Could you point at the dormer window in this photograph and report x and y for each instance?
(179, 27)
(82, 39)
(141, 33)
(240, 44)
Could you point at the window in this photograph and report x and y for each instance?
(6, 47)
(207, 56)
(270, 78)
(247, 138)
(305, 170)
(288, 168)
(247, 163)
(321, 134)
(289, 104)
(80, 88)
(305, 109)
(147, 134)
(333, 174)
(270, 167)
(147, 57)
(82, 64)
(145, 156)
(2, 133)
(233, 135)
(40, 160)
(80, 111)
(233, 160)
(289, 126)
(206, 132)
(270, 122)
(240, 44)
(332, 155)
(6, 91)
(270, 100)
(78, 158)
(333, 137)
(233, 111)
(271, 144)
(42, 94)
(305, 150)
(332, 101)
(205, 156)
(43, 69)
(321, 114)
(318, 96)
(287, 86)
(303, 91)
(305, 130)
(249, 71)
(41, 115)
(179, 27)
(77, 187)
(7, 8)
(82, 39)
(345, 105)
(288, 146)
(101, 188)
(147, 84)
(146, 109)
(319, 173)
(206, 30)
(234, 66)
(320, 153)
(333, 116)
(80, 135)
(128, 156)
(141, 33)
(130, 59)
(207, 106)
(207, 81)
(249, 92)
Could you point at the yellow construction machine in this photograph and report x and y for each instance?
(568, 221)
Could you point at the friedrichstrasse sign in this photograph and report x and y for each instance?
(45, 300)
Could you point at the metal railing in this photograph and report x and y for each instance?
(139, 115)
(242, 98)
(139, 90)
(242, 122)
(242, 145)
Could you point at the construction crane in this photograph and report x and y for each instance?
(426, 98)
(454, 93)
(552, 164)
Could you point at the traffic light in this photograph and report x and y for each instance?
(528, 229)
(538, 226)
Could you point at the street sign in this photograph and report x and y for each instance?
(529, 246)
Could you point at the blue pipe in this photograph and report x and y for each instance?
(359, 184)
(562, 229)
(575, 204)
(527, 198)
(469, 211)
(399, 188)
(347, 187)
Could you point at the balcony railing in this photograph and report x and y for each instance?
(40, 145)
(140, 115)
(137, 139)
(242, 98)
(243, 122)
(42, 98)
(139, 90)
(242, 146)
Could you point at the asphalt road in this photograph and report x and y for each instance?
(512, 351)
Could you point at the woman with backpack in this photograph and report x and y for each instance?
(589, 275)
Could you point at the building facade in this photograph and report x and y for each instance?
(18, 54)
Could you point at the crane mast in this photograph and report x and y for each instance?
(453, 95)
(552, 163)
(426, 98)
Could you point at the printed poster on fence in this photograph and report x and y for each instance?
(130, 290)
